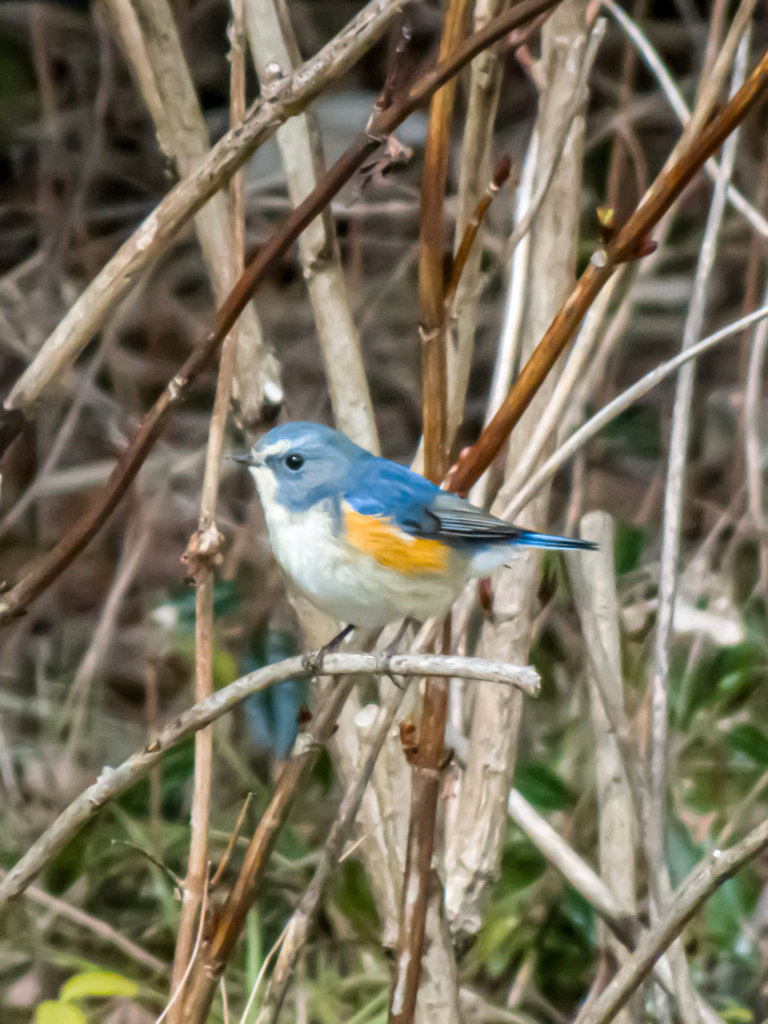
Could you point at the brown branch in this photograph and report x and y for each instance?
(39, 578)
(226, 927)
(627, 246)
(428, 759)
(304, 916)
(503, 170)
(203, 550)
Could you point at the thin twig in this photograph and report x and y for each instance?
(708, 98)
(753, 452)
(702, 883)
(655, 831)
(92, 662)
(101, 929)
(224, 862)
(474, 173)
(177, 991)
(619, 404)
(304, 916)
(673, 506)
(203, 550)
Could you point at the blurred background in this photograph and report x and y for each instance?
(107, 654)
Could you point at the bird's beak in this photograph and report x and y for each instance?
(248, 459)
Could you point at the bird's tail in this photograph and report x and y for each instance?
(530, 539)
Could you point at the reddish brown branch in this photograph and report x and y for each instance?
(428, 758)
(39, 578)
(226, 928)
(503, 171)
(628, 245)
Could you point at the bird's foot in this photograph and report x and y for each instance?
(313, 661)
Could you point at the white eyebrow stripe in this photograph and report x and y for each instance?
(278, 448)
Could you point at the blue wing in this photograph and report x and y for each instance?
(383, 488)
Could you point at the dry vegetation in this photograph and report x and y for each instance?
(590, 849)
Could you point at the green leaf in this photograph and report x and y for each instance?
(627, 548)
(542, 787)
(55, 1012)
(749, 740)
(97, 983)
(224, 668)
(735, 1013)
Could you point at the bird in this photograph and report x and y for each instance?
(367, 540)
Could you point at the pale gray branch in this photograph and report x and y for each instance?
(474, 848)
(151, 42)
(303, 917)
(114, 781)
(691, 895)
(623, 401)
(614, 794)
(276, 55)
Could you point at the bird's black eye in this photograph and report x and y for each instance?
(294, 460)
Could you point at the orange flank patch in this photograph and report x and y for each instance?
(393, 549)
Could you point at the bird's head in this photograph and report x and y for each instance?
(299, 464)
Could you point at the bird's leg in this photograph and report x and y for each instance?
(315, 661)
(391, 647)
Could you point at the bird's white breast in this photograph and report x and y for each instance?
(339, 579)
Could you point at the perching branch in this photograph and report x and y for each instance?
(114, 781)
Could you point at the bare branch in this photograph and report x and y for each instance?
(705, 880)
(304, 916)
(151, 42)
(474, 848)
(203, 550)
(114, 781)
(276, 55)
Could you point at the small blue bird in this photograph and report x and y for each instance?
(367, 540)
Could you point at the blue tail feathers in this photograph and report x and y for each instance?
(531, 539)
